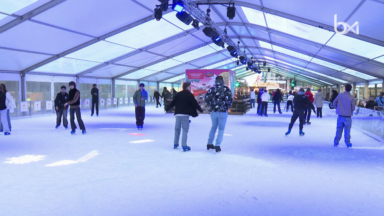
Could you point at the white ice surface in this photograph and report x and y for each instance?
(46, 171)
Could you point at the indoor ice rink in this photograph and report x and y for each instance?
(183, 107)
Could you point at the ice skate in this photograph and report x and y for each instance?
(84, 131)
(175, 146)
(7, 133)
(349, 145)
(302, 133)
(73, 132)
(186, 148)
(218, 149)
(288, 132)
(210, 146)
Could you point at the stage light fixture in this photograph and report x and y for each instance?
(210, 32)
(178, 6)
(269, 69)
(246, 68)
(195, 24)
(217, 40)
(243, 60)
(264, 64)
(232, 50)
(237, 62)
(256, 70)
(231, 12)
(184, 17)
(158, 14)
(250, 65)
(164, 5)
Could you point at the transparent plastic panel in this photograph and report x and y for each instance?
(110, 71)
(327, 64)
(164, 65)
(11, 6)
(17, 61)
(213, 66)
(291, 53)
(194, 54)
(101, 51)
(175, 78)
(145, 34)
(139, 74)
(2, 16)
(381, 59)
(66, 66)
(265, 45)
(355, 46)
(358, 74)
(298, 29)
(254, 16)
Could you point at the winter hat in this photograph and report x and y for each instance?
(301, 91)
(220, 79)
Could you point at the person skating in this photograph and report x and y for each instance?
(174, 92)
(265, 97)
(290, 101)
(74, 101)
(319, 97)
(156, 96)
(10, 104)
(95, 99)
(344, 104)
(277, 97)
(61, 111)
(186, 105)
(3, 111)
(334, 95)
(380, 100)
(253, 98)
(218, 99)
(261, 91)
(300, 103)
(307, 113)
(139, 99)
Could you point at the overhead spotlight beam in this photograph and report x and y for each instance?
(192, 8)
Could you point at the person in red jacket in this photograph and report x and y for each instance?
(307, 113)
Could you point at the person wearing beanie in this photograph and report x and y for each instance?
(219, 99)
(186, 105)
(344, 104)
(300, 104)
(74, 101)
(139, 99)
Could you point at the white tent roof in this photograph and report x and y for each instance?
(120, 39)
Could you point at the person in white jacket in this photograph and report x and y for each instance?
(10, 104)
(319, 97)
(265, 97)
(253, 98)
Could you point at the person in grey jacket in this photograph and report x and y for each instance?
(319, 97)
(345, 105)
(139, 99)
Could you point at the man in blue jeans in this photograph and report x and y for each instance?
(219, 99)
(344, 105)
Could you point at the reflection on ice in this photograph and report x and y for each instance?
(80, 160)
(141, 141)
(25, 159)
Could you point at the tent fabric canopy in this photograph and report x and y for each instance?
(120, 39)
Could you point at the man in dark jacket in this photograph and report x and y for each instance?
(307, 112)
(186, 105)
(219, 99)
(371, 104)
(139, 99)
(277, 97)
(156, 95)
(95, 99)
(300, 105)
(74, 101)
(61, 111)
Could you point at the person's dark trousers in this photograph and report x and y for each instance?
(307, 114)
(72, 112)
(140, 115)
(61, 113)
(289, 104)
(157, 102)
(252, 103)
(297, 114)
(320, 112)
(258, 108)
(274, 106)
(95, 102)
(264, 108)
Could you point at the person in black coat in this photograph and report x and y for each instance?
(156, 95)
(95, 99)
(61, 111)
(371, 103)
(300, 105)
(186, 105)
(277, 98)
(3, 111)
(334, 95)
